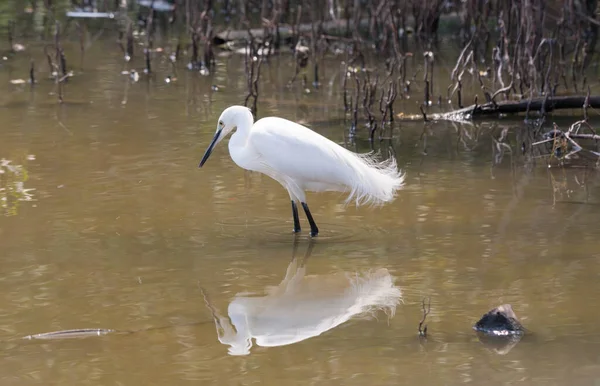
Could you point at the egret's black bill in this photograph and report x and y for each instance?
(210, 147)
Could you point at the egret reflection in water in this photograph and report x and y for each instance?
(304, 306)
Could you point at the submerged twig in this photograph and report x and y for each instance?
(426, 311)
(32, 72)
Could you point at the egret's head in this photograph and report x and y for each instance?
(229, 120)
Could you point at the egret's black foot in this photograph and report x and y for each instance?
(296, 218)
(314, 230)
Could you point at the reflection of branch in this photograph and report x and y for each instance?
(564, 145)
(500, 146)
(424, 115)
(64, 127)
(124, 100)
(213, 311)
(472, 133)
(558, 187)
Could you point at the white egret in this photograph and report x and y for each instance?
(303, 160)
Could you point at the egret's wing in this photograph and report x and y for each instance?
(294, 151)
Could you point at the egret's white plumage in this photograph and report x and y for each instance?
(303, 160)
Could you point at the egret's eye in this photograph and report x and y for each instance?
(221, 123)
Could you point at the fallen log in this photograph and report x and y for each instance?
(330, 26)
(284, 30)
(491, 109)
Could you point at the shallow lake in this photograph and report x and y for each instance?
(122, 230)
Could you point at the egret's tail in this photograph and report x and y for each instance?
(373, 182)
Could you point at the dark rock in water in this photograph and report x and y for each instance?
(499, 329)
(501, 321)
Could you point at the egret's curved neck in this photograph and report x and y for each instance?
(244, 122)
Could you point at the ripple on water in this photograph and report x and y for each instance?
(276, 230)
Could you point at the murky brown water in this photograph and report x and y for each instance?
(123, 231)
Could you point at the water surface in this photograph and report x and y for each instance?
(123, 231)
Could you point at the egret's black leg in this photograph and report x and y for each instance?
(313, 227)
(296, 218)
